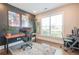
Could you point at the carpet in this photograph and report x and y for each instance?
(37, 49)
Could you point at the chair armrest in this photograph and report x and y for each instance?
(68, 39)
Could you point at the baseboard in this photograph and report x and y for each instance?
(59, 41)
(11, 44)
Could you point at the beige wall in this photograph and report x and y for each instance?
(71, 16)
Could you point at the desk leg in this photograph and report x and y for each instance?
(4, 47)
(7, 45)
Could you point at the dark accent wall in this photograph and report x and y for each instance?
(3, 17)
(4, 8)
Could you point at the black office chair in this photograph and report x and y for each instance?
(28, 39)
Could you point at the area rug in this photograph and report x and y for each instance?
(37, 49)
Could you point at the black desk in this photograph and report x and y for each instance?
(11, 37)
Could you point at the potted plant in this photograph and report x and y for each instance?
(6, 31)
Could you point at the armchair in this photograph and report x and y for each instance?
(72, 41)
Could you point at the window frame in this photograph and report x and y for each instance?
(8, 12)
(50, 25)
(44, 26)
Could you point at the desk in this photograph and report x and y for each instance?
(11, 37)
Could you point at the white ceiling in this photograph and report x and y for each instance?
(36, 8)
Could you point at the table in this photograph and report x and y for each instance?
(11, 37)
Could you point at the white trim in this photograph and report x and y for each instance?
(53, 40)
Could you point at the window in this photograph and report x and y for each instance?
(45, 26)
(25, 21)
(14, 19)
(56, 25)
(52, 26)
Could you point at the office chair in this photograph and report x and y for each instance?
(28, 39)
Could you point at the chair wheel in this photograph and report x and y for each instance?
(21, 46)
(31, 47)
(23, 49)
